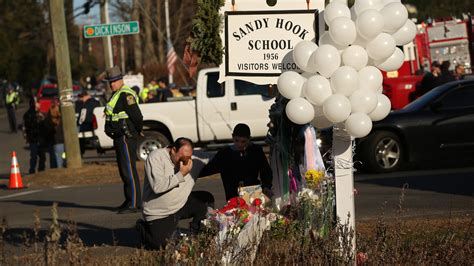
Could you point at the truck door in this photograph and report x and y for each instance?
(250, 104)
(213, 108)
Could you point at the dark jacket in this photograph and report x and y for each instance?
(86, 112)
(249, 167)
(31, 126)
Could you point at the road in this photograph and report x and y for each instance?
(430, 193)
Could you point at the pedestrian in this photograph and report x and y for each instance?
(459, 71)
(168, 195)
(54, 125)
(428, 82)
(175, 90)
(31, 132)
(46, 139)
(85, 120)
(445, 75)
(241, 164)
(123, 124)
(164, 92)
(12, 100)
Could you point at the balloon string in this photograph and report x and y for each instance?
(233, 5)
(307, 4)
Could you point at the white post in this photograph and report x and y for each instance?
(342, 151)
(344, 177)
(168, 35)
(109, 40)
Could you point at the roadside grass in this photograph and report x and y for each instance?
(383, 241)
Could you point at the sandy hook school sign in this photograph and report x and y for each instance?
(259, 43)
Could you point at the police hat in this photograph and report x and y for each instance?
(113, 74)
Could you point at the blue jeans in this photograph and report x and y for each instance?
(58, 152)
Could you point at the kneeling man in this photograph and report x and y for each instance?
(168, 195)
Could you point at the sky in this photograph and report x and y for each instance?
(92, 18)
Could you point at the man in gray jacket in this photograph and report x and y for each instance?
(168, 195)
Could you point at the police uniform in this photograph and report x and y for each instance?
(124, 123)
(12, 100)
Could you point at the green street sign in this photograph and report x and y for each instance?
(102, 30)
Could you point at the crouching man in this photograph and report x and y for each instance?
(168, 195)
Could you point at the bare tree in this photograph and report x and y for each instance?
(150, 56)
(137, 48)
(160, 31)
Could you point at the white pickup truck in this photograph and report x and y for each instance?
(206, 119)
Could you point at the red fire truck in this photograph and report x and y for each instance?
(450, 40)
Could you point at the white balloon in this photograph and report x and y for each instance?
(299, 111)
(317, 89)
(363, 101)
(345, 80)
(342, 31)
(360, 41)
(405, 34)
(334, 10)
(307, 75)
(382, 109)
(370, 78)
(358, 125)
(326, 39)
(362, 5)
(394, 15)
(386, 2)
(337, 108)
(319, 120)
(290, 84)
(369, 24)
(355, 56)
(326, 59)
(302, 52)
(394, 62)
(381, 47)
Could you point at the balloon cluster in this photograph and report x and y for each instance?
(342, 82)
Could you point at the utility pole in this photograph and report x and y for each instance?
(63, 72)
(104, 19)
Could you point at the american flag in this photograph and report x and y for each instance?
(172, 57)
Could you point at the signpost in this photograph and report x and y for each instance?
(112, 29)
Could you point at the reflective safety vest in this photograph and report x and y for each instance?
(109, 108)
(12, 98)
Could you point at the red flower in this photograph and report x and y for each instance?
(257, 202)
(235, 202)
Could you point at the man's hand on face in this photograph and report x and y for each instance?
(185, 166)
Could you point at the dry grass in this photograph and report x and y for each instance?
(395, 241)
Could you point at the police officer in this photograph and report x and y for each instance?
(11, 102)
(123, 124)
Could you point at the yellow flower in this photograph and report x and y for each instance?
(313, 177)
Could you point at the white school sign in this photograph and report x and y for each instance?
(261, 43)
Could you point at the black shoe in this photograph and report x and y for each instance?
(124, 205)
(128, 209)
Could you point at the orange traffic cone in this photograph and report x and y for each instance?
(15, 176)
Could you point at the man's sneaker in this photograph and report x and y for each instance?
(128, 209)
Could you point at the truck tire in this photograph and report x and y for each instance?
(384, 152)
(151, 141)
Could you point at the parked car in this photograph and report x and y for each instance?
(436, 128)
(48, 92)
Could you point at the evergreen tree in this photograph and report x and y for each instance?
(205, 34)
